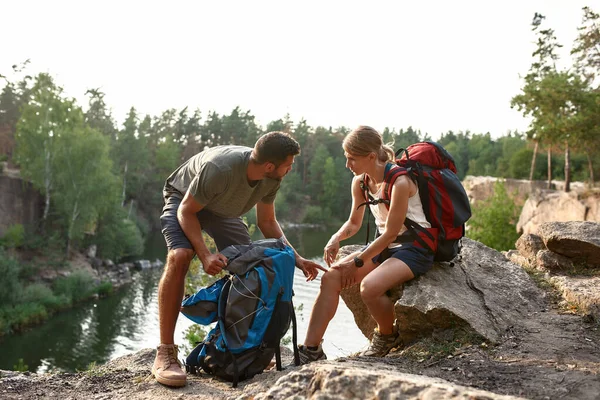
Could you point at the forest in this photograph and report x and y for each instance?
(102, 181)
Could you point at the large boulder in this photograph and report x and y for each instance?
(552, 206)
(480, 188)
(483, 291)
(548, 206)
(579, 241)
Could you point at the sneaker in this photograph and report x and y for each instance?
(308, 356)
(382, 344)
(167, 368)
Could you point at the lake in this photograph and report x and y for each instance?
(127, 321)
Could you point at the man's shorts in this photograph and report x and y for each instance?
(418, 259)
(224, 231)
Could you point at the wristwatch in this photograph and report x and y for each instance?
(358, 262)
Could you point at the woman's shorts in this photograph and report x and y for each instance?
(418, 259)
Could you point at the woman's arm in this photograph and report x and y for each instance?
(351, 226)
(402, 189)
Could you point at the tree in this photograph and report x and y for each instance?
(14, 95)
(545, 56)
(85, 185)
(315, 173)
(587, 47)
(586, 50)
(43, 119)
(98, 115)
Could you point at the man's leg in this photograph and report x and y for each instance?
(166, 368)
(170, 292)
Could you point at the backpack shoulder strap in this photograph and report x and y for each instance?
(389, 178)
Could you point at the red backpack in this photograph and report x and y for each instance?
(445, 202)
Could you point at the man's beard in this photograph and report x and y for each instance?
(273, 175)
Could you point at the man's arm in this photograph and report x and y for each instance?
(270, 228)
(186, 215)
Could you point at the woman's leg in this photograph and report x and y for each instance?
(374, 286)
(327, 300)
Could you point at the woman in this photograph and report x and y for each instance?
(383, 264)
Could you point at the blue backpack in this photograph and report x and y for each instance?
(253, 310)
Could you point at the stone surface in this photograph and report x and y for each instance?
(515, 257)
(550, 261)
(577, 240)
(583, 292)
(551, 206)
(20, 203)
(483, 291)
(528, 245)
(359, 380)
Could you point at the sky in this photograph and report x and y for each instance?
(433, 65)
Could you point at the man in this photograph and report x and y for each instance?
(210, 192)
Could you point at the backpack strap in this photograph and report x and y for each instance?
(364, 185)
(295, 335)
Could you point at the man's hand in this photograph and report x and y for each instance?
(214, 263)
(309, 268)
(348, 273)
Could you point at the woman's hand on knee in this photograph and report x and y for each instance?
(347, 272)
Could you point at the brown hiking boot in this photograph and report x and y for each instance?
(382, 344)
(167, 369)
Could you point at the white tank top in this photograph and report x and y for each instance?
(414, 212)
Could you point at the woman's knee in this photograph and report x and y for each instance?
(332, 280)
(370, 289)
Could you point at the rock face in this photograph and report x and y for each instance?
(483, 291)
(480, 188)
(565, 250)
(20, 203)
(552, 206)
(359, 380)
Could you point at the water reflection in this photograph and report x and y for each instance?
(71, 340)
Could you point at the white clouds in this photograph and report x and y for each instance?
(433, 65)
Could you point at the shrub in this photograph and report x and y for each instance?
(76, 287)
(104, 289)
(13, 237)
(313, 215)
(494, 220)
(9, 279)
(118, 238)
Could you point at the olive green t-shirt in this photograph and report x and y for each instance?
(217, 179)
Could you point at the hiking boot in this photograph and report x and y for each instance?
(308, 356)
(167, 368)
(382, 344)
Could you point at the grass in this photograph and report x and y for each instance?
(433, 349)
(580, 269)
(94, 369)
(542, 280)
(21, 366)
